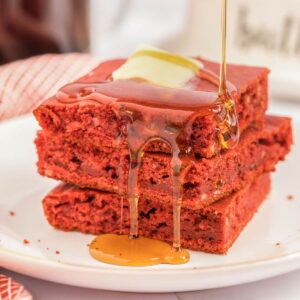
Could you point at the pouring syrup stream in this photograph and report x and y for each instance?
(222, 85)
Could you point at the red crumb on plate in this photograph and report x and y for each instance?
(12, 213)
(290, 197)
(25, 242)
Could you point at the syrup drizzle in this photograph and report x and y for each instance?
(120, 181)
(157, 113)
(223, 86)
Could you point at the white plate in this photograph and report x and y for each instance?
(255, 255)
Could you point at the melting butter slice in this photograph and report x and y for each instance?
(159, 67)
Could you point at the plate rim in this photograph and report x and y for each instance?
(222, 276)
(141, 270)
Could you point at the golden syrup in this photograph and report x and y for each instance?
(124, 251)
(157, 113)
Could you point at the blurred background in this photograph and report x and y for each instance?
(259, 32)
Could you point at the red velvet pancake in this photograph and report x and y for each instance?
(210, 229)
(96, 124)
(206, 181)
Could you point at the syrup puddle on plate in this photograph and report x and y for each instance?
(125, 251)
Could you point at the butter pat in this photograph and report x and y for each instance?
(159, 67)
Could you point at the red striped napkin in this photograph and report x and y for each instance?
(25, 83)
(12, 290)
